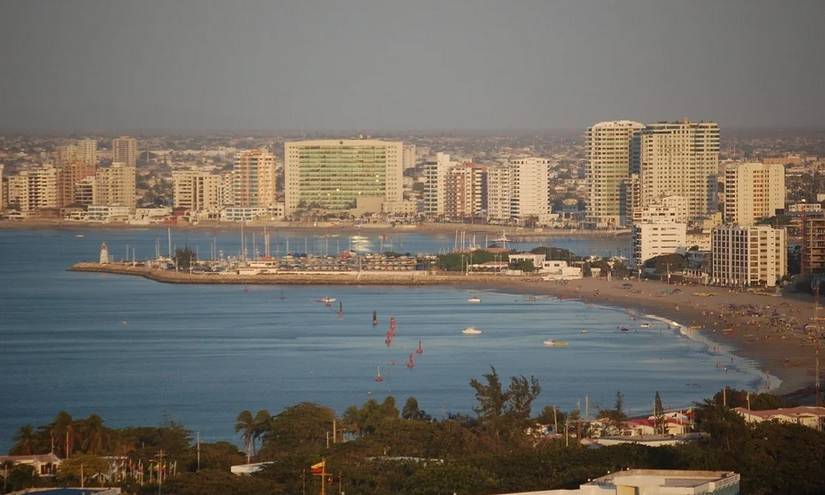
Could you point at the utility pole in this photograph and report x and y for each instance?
(199, 452)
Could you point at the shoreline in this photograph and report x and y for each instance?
(764, 329)
(513, 232)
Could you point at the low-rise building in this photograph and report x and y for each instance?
(43, 464)
(653, 239)
(245, 214)
(812, 417)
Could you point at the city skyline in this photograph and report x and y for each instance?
(440, 66)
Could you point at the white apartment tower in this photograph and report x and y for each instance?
(34, 189)
(254, 179)
(115, 186)
(124, 150)
(519, 189)
(748, 255)
(435, 191)
(609, 159)
(753, 191)
(659, 229)
(197, 191)
(679, 159)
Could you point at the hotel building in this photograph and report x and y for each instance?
(678, 159)
(435, 189)
(753, 191)
(609, 158)
(748, 255)
(519, 190)
(197, 191)
(337, 174)
(115, 186)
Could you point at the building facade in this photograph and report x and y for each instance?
(35, 189)
(657, 238)
(435, 187)
(609, 158)
(745, 256)
(519, 190)
(813, 244)
(466, 191)
(253, 179)
(197, 191)
(333, 174)
(678, 159)
(753, 191)
(124, 150)
(115, 186)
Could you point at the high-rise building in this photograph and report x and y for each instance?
(409, 156)
(669, 208)
(753, 191)
(679, 159)
(335, 174)
(609, 159)
(115, 186)
(34, 189)
(466, 191)
(813, 244)
(748, 255)
(124, 150)
(85, 191)
(435, 189)
(70, 175)
(197, 191)
(253, 177)
(519, 190)
(227, 191)
(2, 189)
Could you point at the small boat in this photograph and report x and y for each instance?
(584, 332)
(644, 325)
(556, 343)
(374, 318)
(393, 326)
(378, 377)
(420, 348)
(471, 331)
(327, 300)
(474, 300)
(411, 361)
(79, 235)
(624, 329)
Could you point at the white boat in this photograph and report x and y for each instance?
(471, 331)
(327, 300)
(644, 325)
(556, 343)
(79, 235)
(474, 300)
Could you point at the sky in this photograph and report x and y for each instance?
(70, 65)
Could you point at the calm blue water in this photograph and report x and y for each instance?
(140, 352)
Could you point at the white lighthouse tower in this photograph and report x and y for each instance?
(104, 254)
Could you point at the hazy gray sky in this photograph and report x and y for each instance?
(221, 64)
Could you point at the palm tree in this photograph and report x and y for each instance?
(62, 430)
(94, 434)
(246, 426)
(263, 420)
(25, 440)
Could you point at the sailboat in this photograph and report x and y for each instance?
(378, 377)
(374, 318)
(388, 338)
(411, 361)
(420, 349)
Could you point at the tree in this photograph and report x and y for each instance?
(411, 410)
(246, 426)
(616, 415)
(524, 265)
(505, 412)
(185, 258)
(62, 430)
(95, 435)
(90, 465)
(262, 421)
(659, 422)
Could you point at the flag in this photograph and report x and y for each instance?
(318, 469)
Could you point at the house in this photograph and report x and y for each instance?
(43, 464)
(655, 481)
(812, 417)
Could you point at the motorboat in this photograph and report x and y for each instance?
(474, 300)
(327, 300)
(644, 325)
(556, 343)
(471, 331)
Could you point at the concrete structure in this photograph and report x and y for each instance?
(106, 213)
(813, 244)
(43, 464)
(609, 158)
(124, 150)
(71, 175)
(802, 208)
(655, 482)
(466, 191)
(246, 214)
(657, 238)
(409, 157)
(197, 191)
(104, 254)
(748, 255)
(678, 159)
(519, 190)
(435, 189)
(2, 189)
(753, 191)
(115, 186)
(253, 179)
(667, 209)
(500, 195)
(810, 416)
(33, 189)
(331, 174)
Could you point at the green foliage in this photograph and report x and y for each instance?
(217, 482)
(21, 477)
(70, 469)
(524, 265)
(661, 264)
(456, 262)
(659, 422)
(505, 412)
(411, 410)
(758, 401)
(185, 258)
(301, 429)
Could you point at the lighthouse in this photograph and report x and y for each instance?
(104, 254)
